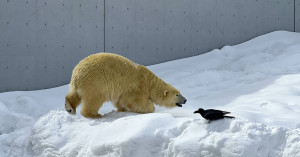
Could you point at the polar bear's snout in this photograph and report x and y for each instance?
(181, 100)
(69, 108)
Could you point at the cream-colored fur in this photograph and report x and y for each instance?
(110, 77)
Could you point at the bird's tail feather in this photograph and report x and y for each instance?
(229, 117)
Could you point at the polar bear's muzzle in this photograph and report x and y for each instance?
(179, 105)
(181, 100)
(69, 108)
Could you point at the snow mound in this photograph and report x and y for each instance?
(158, 134)
(116, 134)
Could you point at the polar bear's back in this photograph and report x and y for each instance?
(104, 72)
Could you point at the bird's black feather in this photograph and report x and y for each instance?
(212, 114)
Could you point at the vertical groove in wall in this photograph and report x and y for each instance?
(104, 22)
(294, 15)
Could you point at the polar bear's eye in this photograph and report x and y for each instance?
(176, 95)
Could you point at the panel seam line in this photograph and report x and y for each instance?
(104, 26)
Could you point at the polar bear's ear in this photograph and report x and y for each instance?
(165, 92)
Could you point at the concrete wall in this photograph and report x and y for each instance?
(42, 40)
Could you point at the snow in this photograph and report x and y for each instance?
(258, 81)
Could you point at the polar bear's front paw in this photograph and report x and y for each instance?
(96, 116)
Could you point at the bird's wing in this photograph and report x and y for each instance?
(217, 111)
(213, 115)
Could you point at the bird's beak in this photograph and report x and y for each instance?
(196, 112)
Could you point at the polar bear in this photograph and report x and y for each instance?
(129, 86)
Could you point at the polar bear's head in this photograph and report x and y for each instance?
(170, 97)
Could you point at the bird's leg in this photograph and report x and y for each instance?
(207, 122)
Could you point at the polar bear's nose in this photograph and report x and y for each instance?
(182, 100)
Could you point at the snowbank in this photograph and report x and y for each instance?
(258, 81)
(156, 134)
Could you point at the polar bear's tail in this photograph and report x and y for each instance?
(72, 101)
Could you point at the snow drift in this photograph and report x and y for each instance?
(258, 81)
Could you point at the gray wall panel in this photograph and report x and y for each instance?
(155, 31)
(238, 21)
(42, 40)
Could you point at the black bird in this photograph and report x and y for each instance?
(211, 114)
